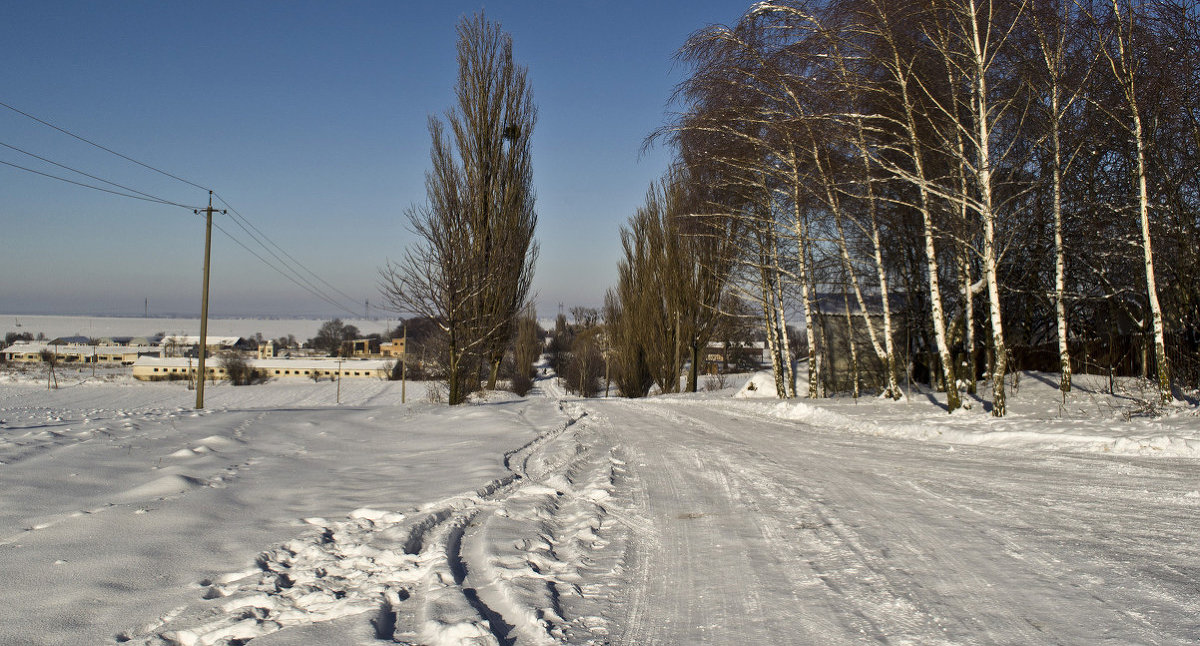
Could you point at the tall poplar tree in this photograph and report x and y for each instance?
(473, 264)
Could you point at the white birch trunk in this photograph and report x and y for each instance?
(772, 331)
(935, 292)
(1126, 76)
(854, 375)
(988, 215)
(806, 295)
(785, 350)
(848, 265)
(1060, 260)
(969, 322)
(1156, 316)
(893, 387)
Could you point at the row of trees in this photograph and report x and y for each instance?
(982, 173)
(674, 273)
(471, 267)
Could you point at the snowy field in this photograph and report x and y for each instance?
(277, 516)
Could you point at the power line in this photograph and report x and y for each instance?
(261, 238)
(156, 200)
(108, 150)
(90, 176)
(314, 289)
(281, 249)
(281, 272)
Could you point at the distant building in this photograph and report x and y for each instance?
(130, 340)
(173, 368)
(31, 352)
(266, 350)
(365, 347)
(393, 348)
(186, 345)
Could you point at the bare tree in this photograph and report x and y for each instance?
(1124, 62)
(966, 149)
(472, 267)
(671, 280)
(526, 349)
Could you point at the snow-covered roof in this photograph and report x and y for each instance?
(25, 347)
(188, 339)
(30, 347)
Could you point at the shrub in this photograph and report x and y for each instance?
(521, 384)
(238, 370)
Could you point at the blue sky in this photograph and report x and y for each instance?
(310, 119)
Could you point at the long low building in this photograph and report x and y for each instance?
(165, 369)
(31, 352)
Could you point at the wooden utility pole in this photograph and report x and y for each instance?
(208, 212)
(678, 367)
(404, 366)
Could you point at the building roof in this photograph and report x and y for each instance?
(188, 339)
(28, 347)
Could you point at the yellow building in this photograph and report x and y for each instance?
(173, 368)
(393, 348)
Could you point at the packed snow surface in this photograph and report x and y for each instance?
(278, 516)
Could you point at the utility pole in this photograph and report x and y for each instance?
(404, 365)
(678, 367)
(339, 381)
(208, 212)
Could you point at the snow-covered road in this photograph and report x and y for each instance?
(769, 532)
(278, 518)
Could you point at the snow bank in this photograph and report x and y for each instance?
(1087, 421)
(760, 385)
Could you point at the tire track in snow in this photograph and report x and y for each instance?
(467, 569)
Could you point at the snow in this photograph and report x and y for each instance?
(278, 517)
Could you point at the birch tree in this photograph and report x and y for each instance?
(1125, 66)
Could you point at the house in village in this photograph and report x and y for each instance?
(840, 321)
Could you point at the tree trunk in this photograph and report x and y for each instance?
(1125, 75)
(1060, 260)
(693, 372)
(969, 324)
(768, 307)
(1156, 315)
(892, 388)
(850, 343)
(935, 293)
(987, 213)
(494, 373)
